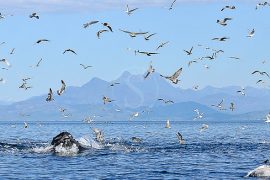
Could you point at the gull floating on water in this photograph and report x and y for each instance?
(204, 127)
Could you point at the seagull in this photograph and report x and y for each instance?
(221, 39)
(242, 91)
(34, 15)
(63, 88)
(196, 87)
(6, 62)
(37, 65)
(168, 125)
(106, 100)
(162, 45)
(204, 127)
(232, 106)
(25, 125)
(62, 109)
(180, 138)
(251, 33)
(134, 34)
(189, 52)
(115, 83)
(42, 40)
(228, 7)
(262, 4)
(85, 66)
(261, 73)
(219, 105)
(172, 5)
(101, 31)
(108, 26)
(206, 66)
(210, 57)
(86, 25)
(12, 51)
(174, 78)
(150, 70)
(133, 115)
(26, 79)
(50, 95)
(99, 135)
(233, 57)
(190, 62)
(148, 37)
(146, 53)
(130, 11)
(199, 115)
(165, 101)
(70, 50)
(223, 21)
(260, 81)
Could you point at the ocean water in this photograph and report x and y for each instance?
(226, 150)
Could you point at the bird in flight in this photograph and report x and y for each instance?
(233, 57)
(50, 96)
(174, 78)
(12, 51)
(101, 31)
(106, 100)
(115, 83)
(261, 73)
(221, 39)
(70, 50)
(86, 25)
(219, 105)
(148, 37)
(262, 4)
(5, 61)
(232, 107)
(204, 127)
(180, 138)
(190, 62)
(150, 70)
(165, 101)
(242, 91)
(146, 53)
(223, 22)
(107, 25)
(38, 63)
(199, 114)
(228, 7)
(162, 45)
(34, 15)
(42, 40)
(85, 66)
(171, 6)
(134, 34)
(130, 11)
(189, 52)
(62, 89)
(251, 33)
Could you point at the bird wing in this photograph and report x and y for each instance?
(177, 73)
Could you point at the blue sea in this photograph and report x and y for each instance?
(226, 150)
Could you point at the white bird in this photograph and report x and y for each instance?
(204, 127)
(168, 125)
(174, 78)
(223, 22)
(25, 125)
(5, 61)
(150, 70)
(86, 25)
(199, 115)
(106, 100)
(242, 91)
(251, 33)
(228, 7)
(130, 11)
(133, 34)
(267, 118)
(62, 89)
(50, 95)
(134, 115)
(180, 138)
(99, 135)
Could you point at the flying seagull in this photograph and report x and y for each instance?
(223, 22)
(115, 83)
(63, 88)
(50, 95)
(228, 7)
(101, 31)
(165, 101)
(85, 66)
(38, 63)
(189, 52)
(204, 127)
(106, 100)
(172, 5)
(199, 115)
(150, 70)
(262, 4)
(232, 106)
(220, 105)
(251, 33)
(134, 34)
(12, 51)
(261, 73)
(221, 39)
(233, 57)
(34, 15)
(162, 45)
(130, 11)
(70, 50)
(146, 53)
(42, 40)
(174, 78)
(5, 61)
(190, 62)
(107, 25)
(99, 135)
(180, 138)
(148, 37)
(86, 25)
(242, 91)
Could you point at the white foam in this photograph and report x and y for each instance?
(44, 149)
(66, 151)
(88, 143)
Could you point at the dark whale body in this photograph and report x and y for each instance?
(66, 140)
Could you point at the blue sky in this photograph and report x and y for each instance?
(188, 24)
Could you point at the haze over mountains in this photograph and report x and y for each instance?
(136, 94)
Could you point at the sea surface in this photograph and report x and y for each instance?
(226, 150)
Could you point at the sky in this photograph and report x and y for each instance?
(188, 24)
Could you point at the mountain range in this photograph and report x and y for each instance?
(136, 94)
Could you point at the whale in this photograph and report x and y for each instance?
(261, 171)
(65, 143)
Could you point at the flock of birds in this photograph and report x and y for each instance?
(174, 78)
